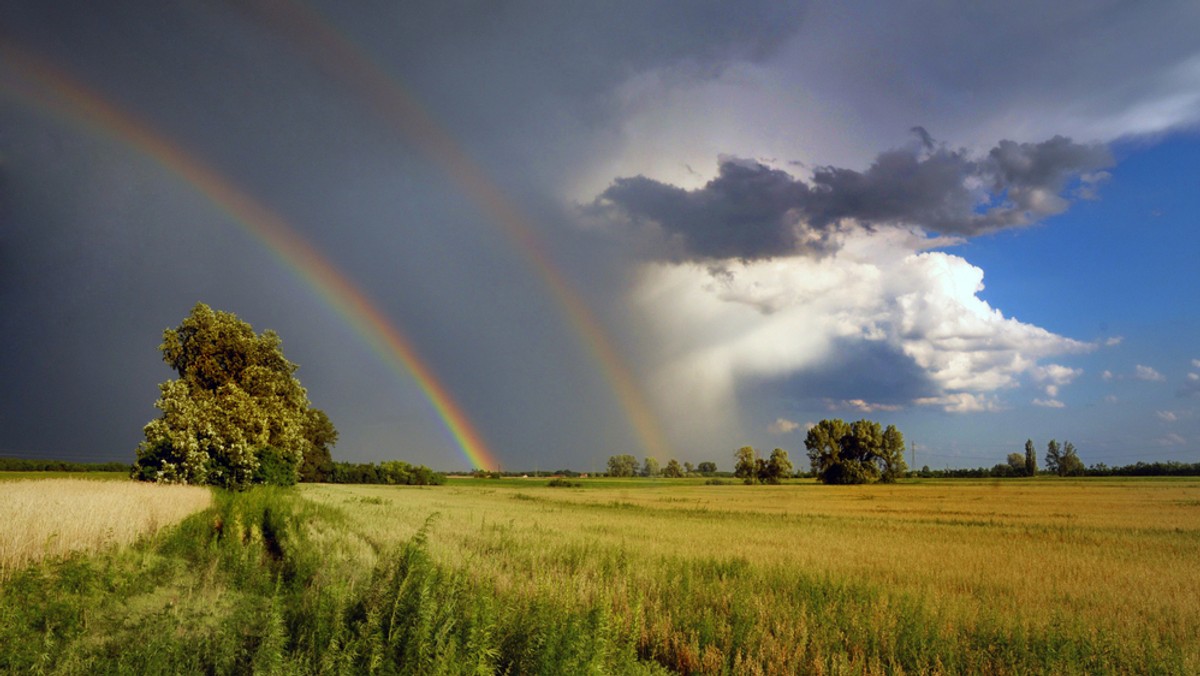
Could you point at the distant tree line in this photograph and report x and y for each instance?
(626, 465)
(29, 465)
(393, 472)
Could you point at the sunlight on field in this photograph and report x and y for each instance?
(50, 518)
(1109, 562)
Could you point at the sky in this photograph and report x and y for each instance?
(534, 235)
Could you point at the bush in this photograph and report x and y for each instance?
(559, 482)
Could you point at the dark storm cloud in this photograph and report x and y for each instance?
(753, 211)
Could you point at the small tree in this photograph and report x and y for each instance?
(1053, 457)
(707, 468)
(622, 465)
(1016, 464)
(673, 470)
(650, 468)
(1030, 458)
(746, 467)
(778, 468)
(688, 468)
(1069, 463)
(891, 457)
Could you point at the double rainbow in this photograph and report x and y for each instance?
(40, 84)
(342, 59)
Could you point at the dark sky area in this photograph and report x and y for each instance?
(654, 228)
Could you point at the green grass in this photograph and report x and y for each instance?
(635, 576)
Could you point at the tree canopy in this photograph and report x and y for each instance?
(622, 465)
(236, 415)
(752, 469)
(855, 453)
(1064, 461)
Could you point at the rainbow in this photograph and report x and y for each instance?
(58, 93)
(345, 61)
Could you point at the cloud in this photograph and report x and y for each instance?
(783, 426)
(849, 322)
(753, 211)
(1191, 386)
(1114, 341)
(962, 402)
(1167, 416)
(1172, 439)
(1054, 376)
(862, 406)
(1049, 403)
(1196, 363)
(1107, 375)
(1148, 374)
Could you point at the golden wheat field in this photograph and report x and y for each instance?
(1115, 562)
(51, 518)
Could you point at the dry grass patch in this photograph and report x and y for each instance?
(51, 518)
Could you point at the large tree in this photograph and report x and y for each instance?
(855, 453)
(236, 415)
(1030, 458)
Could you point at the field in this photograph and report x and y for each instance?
(629, 576)
(54, 517)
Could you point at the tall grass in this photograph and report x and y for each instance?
(51, 518)
(633, 578)
(265, 582)
(939, 576)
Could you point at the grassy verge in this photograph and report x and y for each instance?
(265, 582)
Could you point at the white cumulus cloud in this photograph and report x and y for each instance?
(783, 426)
(1049, 403)
(785, 317)
(1148, 374)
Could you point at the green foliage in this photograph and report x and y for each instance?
(317, 465)
(622, 465)
(236, 395)
(706, 468)
(559, 482)
(752, 469)
(1063, 461)
(245, 588)
(673, 470)
(1016, 463)
(650, 467)
(856, 453)
(267, 582)
(392, 472)
(1053, 456)
(274, 468)
(1030, 458)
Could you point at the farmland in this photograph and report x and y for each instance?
(623, 576)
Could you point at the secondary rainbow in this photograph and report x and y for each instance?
(48, 88)
(345, 61)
